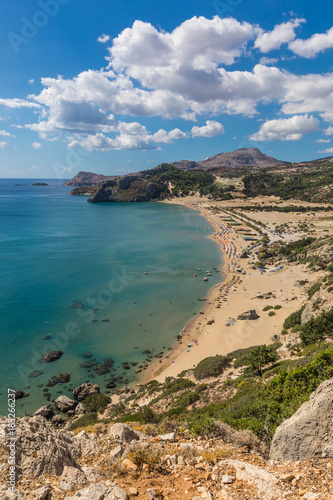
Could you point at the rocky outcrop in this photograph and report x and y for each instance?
(40, 448)
(84, 390)
(248, 315)
(51, 356)
(64, 403)
(309, 432)
(123, 433)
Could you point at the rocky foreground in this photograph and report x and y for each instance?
(119, 461)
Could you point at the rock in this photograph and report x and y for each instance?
(64, 403)
(306, 314)
(57, 420)
(308, 433)
(71, 478)
(228, 479)
(87, 443)
(41, 493)
(248, 315)
(19, 394)
(51, 356)
(117, 452)
(168, 437)
(40, 448)
(263, 480)
(204, 493)
(44, 411)
(6, 494)
(116, 493)
(63, 377)
(80, 410)
(129, 465)
(123, 433)
(94, 492)
(84, 390)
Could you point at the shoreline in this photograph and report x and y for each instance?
(235, 294)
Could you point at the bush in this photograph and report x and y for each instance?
(211, 367)
(96, 403)
(88, 419)
(293, 319)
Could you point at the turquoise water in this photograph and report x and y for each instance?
(58, 250)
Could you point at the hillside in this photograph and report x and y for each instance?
(244, 157)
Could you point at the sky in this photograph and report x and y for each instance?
(116, 87)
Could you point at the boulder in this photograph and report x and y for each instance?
(87, 443)
(123, 433)
(248, 315)
(19, 394)
(94, 492)
(308, 433)
(64, 403)
(84, 390)
(306, 314)
(51, 356)
(44, 411)
(40, 448)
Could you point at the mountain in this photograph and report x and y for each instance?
(88, 179)
(244, 157)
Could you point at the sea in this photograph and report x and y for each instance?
(111, 285)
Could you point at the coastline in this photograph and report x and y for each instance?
(236, 293)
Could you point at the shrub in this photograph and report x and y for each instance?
(96, 403)
(293, 319)
(211, 367)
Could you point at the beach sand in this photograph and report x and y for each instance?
(236, 295)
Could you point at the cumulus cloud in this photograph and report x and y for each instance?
(103, 38)
(3, 144)
(328, 150)
(312, 46)
(4, 133)
(286, 129)
(36, 145)
(18, 103)
(282, 33)
(211, 129)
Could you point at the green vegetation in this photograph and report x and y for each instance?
(211, 367)
(318, 329)
(96, 403)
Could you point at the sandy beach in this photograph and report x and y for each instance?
(216, 329)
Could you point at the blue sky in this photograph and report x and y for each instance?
(113, 87)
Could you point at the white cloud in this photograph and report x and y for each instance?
(211, 129)
(36, 145)
(328, 150)
(3, 144)
(4, 133)
(322, 141)
(268, 60)
(329, 131)
(286, 129)
(18, 103)
(103, 38)
(312, 46)
(282, 33)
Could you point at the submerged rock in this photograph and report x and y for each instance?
(51, 356)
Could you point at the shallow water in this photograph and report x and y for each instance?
(58, 250)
